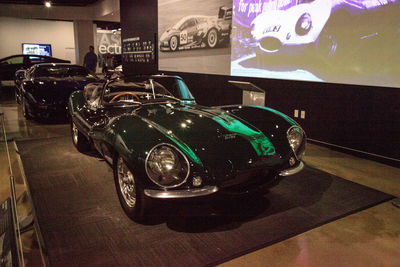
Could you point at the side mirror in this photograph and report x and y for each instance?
(19, 76)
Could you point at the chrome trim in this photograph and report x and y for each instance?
(186, 193)
(79, 116)
(184, 156)
(292, 171)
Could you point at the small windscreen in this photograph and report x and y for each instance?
(61, 71)
(145, 90)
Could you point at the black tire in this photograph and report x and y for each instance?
(25, 109)
(130, 191)
(78, 139)
(17, 99)
(212, 38)
(174, 43)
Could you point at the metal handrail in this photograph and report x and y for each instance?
(13, 200)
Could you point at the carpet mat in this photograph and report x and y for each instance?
(82, 223)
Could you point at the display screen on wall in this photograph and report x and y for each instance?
(194, 36)
(36, 49)
(354, 42)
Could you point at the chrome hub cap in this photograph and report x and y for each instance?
(212, 38)
(126, 183)
(174, 43)
(74, 133)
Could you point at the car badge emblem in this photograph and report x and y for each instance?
(229, 136)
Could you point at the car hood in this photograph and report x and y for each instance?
(56, 89)
(222, 139)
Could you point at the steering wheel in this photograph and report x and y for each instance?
(124, 93)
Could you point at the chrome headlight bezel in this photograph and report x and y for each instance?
(179, 156)
(304, 24)
(296, 135)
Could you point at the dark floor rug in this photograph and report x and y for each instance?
(82, 223)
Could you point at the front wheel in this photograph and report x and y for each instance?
(25, 111)
(17, 97)
(78, 139)
(130, 192)
(173, 43)
(212, 38)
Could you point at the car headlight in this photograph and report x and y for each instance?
(304, 24)
(166, 166)
(295, 137)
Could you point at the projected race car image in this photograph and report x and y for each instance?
(354, 42)
(194, 36)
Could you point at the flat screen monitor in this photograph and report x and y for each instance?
(36, 49)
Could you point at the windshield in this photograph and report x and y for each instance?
(61, 71)
(178, 25)
(146, 90)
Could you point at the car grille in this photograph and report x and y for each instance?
(257, 176)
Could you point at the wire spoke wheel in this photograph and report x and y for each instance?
(126, 183)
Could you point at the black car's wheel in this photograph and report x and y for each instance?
(17, 98)
(212, 38)
(327, 44)
(25, 111)
(130, 192)
(78, 139)
(173, 43)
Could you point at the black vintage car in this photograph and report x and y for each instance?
(9, 65)
(162, 145)
(43, 89)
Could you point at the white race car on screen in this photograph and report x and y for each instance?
(290, 31)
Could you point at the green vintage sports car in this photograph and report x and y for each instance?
(162, 145)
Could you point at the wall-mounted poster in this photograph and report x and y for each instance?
(194, 36)
(109, 48)
(338, 41)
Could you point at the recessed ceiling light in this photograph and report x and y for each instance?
(47, 4)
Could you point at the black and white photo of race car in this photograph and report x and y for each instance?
(198, 31)
(329, 26)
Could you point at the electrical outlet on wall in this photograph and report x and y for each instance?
(302, 114)
(296, 113)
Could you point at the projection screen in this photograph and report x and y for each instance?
(336, 41)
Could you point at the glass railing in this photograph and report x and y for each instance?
(9, 219)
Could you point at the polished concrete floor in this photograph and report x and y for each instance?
(368, 238)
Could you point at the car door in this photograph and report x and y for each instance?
(188, 31)
(9, 65)
(192, 30)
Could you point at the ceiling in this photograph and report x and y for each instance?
(53, 2)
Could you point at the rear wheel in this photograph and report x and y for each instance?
(212, 38)
(130, 192)
(78, 139)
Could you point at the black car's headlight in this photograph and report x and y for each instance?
(295, 137)
(304, 24)
(166, 166)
